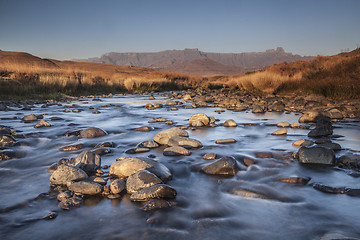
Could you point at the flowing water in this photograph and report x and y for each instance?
(206, 206)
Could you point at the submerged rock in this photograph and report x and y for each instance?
(163, 137)
(65, 173)
(86, 188)
(141, 180)
(318, 155)
(42, 123)
(349, 161)
(155, 204)
(223, 166)
(73, 147)
(156, 191)
(6, 140)
(92, 132)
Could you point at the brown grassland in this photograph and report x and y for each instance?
(25, 76)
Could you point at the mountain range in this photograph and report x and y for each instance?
(194, 61)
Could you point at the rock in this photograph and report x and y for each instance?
(92, 132)
(176, 151)
(117, 186)
(137, 150)
(101, 151)
(105, 145)
(100, 181)
(88, 161)
(283, 124)
(148, 144)
(143, 129)
(151, 97)
(184, 142)
(277, 107)
(156, 191)
(62, 196)
(318, 155)
(70, 202)
(30, 118)
(331, 145)
(295, 180)
(42, 123)
(329, 189)
(309, 116)
(230, 123)
(249, 161)
(198, 120)
(335, 114)
(349, 161)
(140, 180)
(225, 141)
(281, 131)
(86, 188)
(72, 147)
(258, 109)
(323, 127)
(248, 194)
(155, 204)
(295, 125)
(65, 173)
(6, 140)
(128, 166)
(223, 166)
(303, 142)
(209, 156)
(163, 137)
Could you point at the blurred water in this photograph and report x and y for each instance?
(206, 209)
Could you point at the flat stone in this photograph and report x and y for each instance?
(176, 151)
(295, 180)
(318, 155)
(140, 180)
(137, 150)
(163, 137)
(86, 188)
(295, 125)
(65, 173)
(156, 191)
(143, 129)
(184, 142)
(281, 131)
(223, 166)
(30, 118)
(155, 204)
(225, 141)
(148, 144)
(303, 142)
(73, 147)
(92, 132)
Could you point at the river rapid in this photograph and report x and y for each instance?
(207, 207)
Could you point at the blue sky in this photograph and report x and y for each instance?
(70, 29)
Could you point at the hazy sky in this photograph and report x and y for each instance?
(66, 29)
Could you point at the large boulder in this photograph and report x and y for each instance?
(140, 180)
(199, 119)
(88, 161)
(316, 154)
(92, 132)
(184, 142)
(156, 191)
(163, 137)
(223, 166)
(127, 166)
(86, 188)
(65, 173)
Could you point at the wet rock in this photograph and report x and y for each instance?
(249, 161)
(156, 191)
(65, 173)
(100, 181)
(303, 142)
(42, 123)
(317, 155)
(331, 145)
(248, 194)
(163, 137)
(283, 124)
(117, 186)
(30, 118)
(92, 132)
(329, 189)
(143, 129)
(74, 133)
(323, 127)
(184, 142)
(151, 97)
(277, 107)
(295, 125)
(199, 120)
(176, 151)
(258, 109)
(88, 161)
(223, 166)
(225, 141)
(72, 147)
(6, 140)
(295, 180)
(101, 151)
(128, 166)
(105, 145)
(62, 196)
(209, 156)
(70, 203)
(148, 144)
(281, 131)
(349, 161)
(140, 180)
(86, 188)
(309, 116)
(230, 123)
(137, 150)
(335, 114)
(155, 204)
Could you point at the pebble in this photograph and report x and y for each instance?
(281, 131)
(225, 141)
(209, 156)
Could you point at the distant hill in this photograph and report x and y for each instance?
(183, 60)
